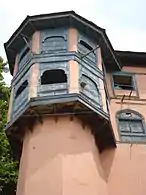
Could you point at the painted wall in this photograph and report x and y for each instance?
(60, 157)
(140, 77)
(34, 80)
(124, 167)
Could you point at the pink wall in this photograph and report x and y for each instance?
(72, 46)
(36, 43)
(60, 157)
(124, 167)
(34, 80)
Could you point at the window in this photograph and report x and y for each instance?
(53, 76)
(21, 88)
(24, 53)
(90, 89)
(131, 126)
(123, 82)
(84, 48)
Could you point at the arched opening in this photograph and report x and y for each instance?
(131, 126)
(23, 86)
(53, 76)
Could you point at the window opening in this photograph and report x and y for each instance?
(24, 54)
(22, 88)
(53, 76)
(123, 82)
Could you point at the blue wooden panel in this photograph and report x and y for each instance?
(53, 89)
(85, 45)
(53, 41)
(90, 90)
(56, 88)
(23, 56)
(131, 126)
(21, 100)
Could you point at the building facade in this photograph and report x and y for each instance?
(76, 119)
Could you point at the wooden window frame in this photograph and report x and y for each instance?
(133, 137)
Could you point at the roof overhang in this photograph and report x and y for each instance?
(61, 19)
(130, 58)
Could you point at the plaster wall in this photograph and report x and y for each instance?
(72, 46)
(140, 79)
(60, 157)
(34, 79)
(124, 166)
(36, 43)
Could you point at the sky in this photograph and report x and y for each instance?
(123, 20)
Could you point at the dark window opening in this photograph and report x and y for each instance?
(53, 76)
(86, 45)
(24, 54)
(123, 82)
(22, 88)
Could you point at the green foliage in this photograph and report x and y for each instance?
(8, 168)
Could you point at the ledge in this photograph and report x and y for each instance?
(58, 99)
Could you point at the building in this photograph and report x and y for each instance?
(77, 110)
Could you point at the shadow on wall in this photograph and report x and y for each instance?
(106, 158)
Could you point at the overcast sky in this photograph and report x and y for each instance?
(124, 20)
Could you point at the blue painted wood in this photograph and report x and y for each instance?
(85, 45)
(23, 56)
(54, 55)
(57, 88)
(54, 40)
(131, 126)
(90, 90)
(21, 100)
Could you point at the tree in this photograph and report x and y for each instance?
(8, 168)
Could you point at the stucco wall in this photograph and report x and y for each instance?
(124, 167)
(72, 46)
(140, 79)
(34, 79)
(60, 157)
(36, 43)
